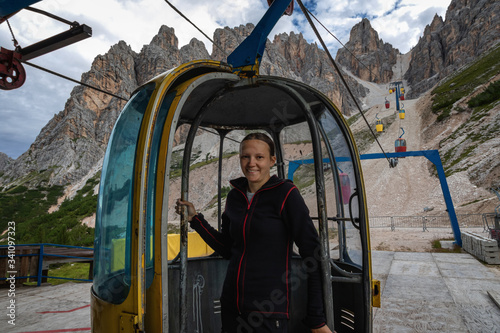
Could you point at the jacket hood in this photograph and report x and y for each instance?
(242, 183)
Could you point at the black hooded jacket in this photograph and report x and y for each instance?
(257, 237)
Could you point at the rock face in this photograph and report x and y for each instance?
(471, 28)
(228, 39)
(291, 56)
(75, 139)
(5, 161)
(72, 142)
(377, 58)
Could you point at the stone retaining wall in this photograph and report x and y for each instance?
(483, 248)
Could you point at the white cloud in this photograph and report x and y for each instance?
(29, 108)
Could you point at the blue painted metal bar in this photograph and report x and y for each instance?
(40, 265)
(11, 6)
(18, 277)
(42, 254)
(51, 244)
(397, 97)
(64, 256)
(251, 50)
(396, 86)
(431, 155)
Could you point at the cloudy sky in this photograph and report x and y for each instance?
(24, 111)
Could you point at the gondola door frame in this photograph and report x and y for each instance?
(178, 105)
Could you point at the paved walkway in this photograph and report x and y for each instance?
(435, 292)
(48, 309)
(421, 292)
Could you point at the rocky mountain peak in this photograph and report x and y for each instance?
(436, 25)
(165, 38)
(365, 46)
(194, 50)
(228, 39)
(72, 142)
(364, 38)
(5, 161)
(470, 28)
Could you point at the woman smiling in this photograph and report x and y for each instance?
(263, 218)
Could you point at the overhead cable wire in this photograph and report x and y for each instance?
(194, 25)
(311, 23)
(72, 80)
(52, 16)
(14, 40)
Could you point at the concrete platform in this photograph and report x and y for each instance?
(435, 292)
(421, 292)
(48, 309)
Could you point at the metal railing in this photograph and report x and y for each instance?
(426, 222)
(29, 260)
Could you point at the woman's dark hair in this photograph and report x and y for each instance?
(261, 137)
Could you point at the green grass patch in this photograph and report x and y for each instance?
(304, 176)
(364, 138)
(470, 203)
(299, 142)
(352, 119)
(464, 82)
(456, 159)
(223, 192)
(436, 246)
(76, 270)
(481, 111)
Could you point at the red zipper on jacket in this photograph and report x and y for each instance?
(249, 204)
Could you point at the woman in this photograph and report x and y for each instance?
(264, 216)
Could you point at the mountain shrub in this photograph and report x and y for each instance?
(491, 94)
(29, 209)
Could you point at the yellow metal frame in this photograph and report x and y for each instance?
(134, 305)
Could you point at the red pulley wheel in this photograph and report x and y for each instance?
(12, 73)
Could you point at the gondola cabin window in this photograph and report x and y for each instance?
(113, 219)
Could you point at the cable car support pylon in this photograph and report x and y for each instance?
(397, 85)
(431, 155)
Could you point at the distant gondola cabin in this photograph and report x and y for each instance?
(400, 145)
(379, 126)
(345, 186)
(402, 114)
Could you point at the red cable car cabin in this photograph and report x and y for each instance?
(400, 145)
(345, 186)
(387, 104)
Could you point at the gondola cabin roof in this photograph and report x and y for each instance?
(258, 102)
